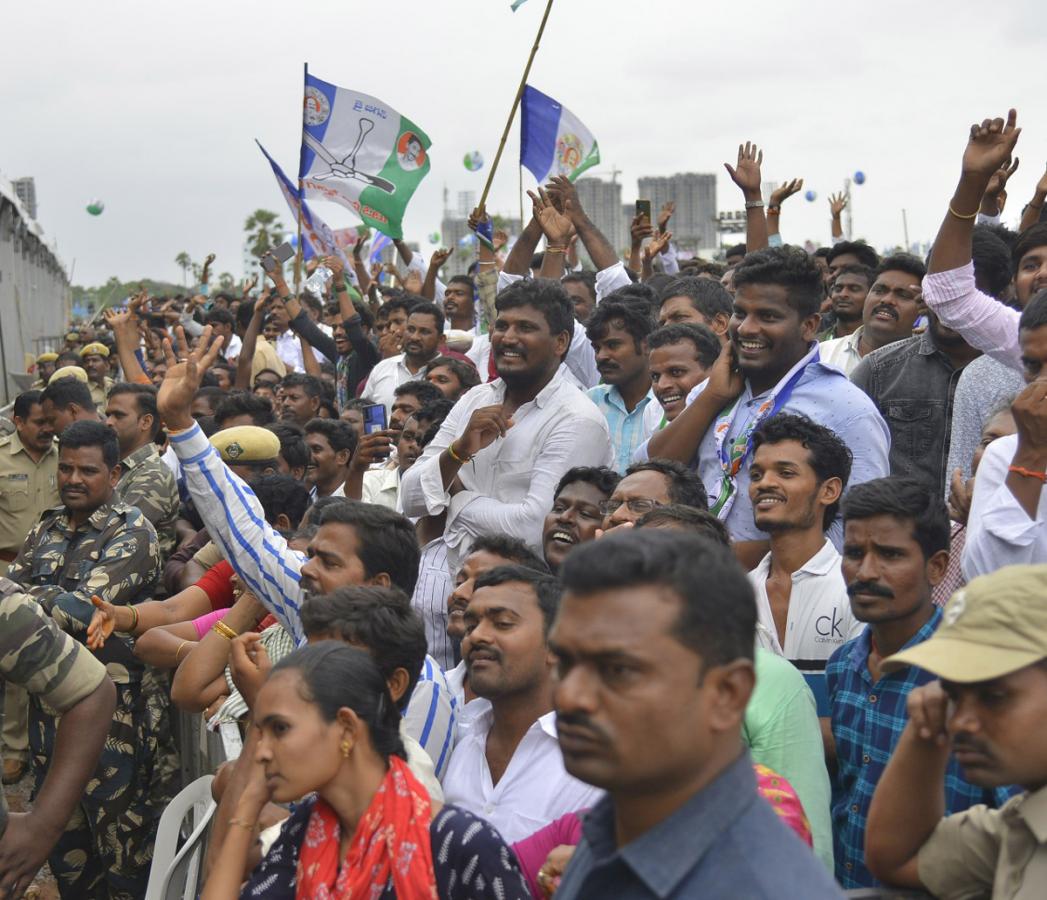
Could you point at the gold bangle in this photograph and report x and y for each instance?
(179, 650)
(555, 249)
(455, 456)
(224, 630)
(243, 824)
(973, 215)
(134, 624)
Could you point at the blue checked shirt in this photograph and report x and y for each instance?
(627, 429)
(867, 722)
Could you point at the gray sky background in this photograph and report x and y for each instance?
(153, 107)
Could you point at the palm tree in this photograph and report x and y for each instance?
(264, 231)
(226, 282)
(183, 262)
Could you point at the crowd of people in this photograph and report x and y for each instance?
(667, 577)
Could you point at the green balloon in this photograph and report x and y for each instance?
(95, 207)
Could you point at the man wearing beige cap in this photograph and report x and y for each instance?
(989, 709)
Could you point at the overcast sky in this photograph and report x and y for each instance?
(153, 107)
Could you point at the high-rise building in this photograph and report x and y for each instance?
(602, 202)
(694, 223)
(25, 190)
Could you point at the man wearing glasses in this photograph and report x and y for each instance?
(647, 485)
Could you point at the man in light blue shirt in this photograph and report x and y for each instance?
(770, 365)
(618, 330)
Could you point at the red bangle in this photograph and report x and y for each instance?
(1028, 473)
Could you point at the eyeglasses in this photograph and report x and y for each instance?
(639, 506)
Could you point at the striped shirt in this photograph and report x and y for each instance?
(271, 570)
(867, 722)
(628, 429)
(431, 591)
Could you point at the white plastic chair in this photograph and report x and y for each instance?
(174, 875)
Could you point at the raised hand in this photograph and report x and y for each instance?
(746, 174)
(440, 257)
(837, 204)
(337, 267)
(666, 214)
(928, 707)
(725, 379)
(555, 225)
(640, 229)
(205, 274)
(658, 244)
(486, 424)
(500, 239)
(566, 195)
(990, 145)
(249, 284)
(182, 380)
(995, 195)
(477, 218)
(785, 191)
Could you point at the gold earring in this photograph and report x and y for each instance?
(345, 748)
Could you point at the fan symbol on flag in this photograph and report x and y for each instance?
(346, 168)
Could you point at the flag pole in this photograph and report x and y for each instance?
(521, 197)
(301, 197)
(512, 112)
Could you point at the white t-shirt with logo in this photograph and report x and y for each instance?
(819, 618)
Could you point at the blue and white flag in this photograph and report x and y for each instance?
(517, 4)
(317, 237)
(553, 141)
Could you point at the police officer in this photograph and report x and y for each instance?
(94, 545)
(95, 360)
(28, 486)
(45, 368)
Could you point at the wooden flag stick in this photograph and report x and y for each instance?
(516, 104)
(299, 256)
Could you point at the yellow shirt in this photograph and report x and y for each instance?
(27, 488)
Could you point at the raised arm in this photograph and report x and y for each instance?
(747, 176)
(124, 325)
(837, 204)
(1033, 209)
(774, 208)
(250, 343)
(600, 251)
(640, 229)
(557, 229)
(995, 197)
(436, 262)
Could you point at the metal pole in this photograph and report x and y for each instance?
(905, 230)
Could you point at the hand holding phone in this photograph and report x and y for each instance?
(643, 208)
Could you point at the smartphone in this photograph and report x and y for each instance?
(374, 418)
(281, 254)
(643, 208)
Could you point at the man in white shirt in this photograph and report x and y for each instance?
(508, 768)
(331, 444)
(796, 479)
(502, 450)
(421, 342)
(1009, 507)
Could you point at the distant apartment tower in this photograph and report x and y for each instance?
(694, 223)
(602, 202)
(25, 190)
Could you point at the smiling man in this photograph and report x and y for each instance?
(771, 365)
(895, 550)
(422, 335)
(847, 298)
(576, 516)
(679, 358)
(331, 443)
(647, 486)
(504, 447)
(460, 303)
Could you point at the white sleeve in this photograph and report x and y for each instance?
(999, 532)
(670, 260)
(610, 279)
(431, 717)
(422, 491)
(234, 518)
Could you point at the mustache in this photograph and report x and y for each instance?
(887, 309)
(869, 587)
(487, 651)
(966, 742)
(581, 722)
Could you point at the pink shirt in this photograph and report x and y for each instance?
(983, 321)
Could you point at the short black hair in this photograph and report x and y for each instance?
(638, 294)
(901, 262)
(67, 358)
(699, 521)
(634, 318)
(464, 369)
(685, 487)
(717, 619)
(308, 383)
(379, 619)
(992, 262)
(220, 317)
(340, 435)
(861, 271)
(511, 548)
(428, 308)
(866, 255)
(388, 542)
(1030, 239)
(403, 301)
(293, 450)
(830, 456)
(463, 279)
(85, 433)
(544, 295)
(906, 499)
(279, 493)
(213, 396)
(145, 401)
(708, 297)
(68, 391)
(736, 250)
(602, 478)
(423, 391)
(790, 268)
(434, 413)
(1035, 313)
(244, 403)
(546, 588)
(24, 403)
(707, 345)
(583, 277)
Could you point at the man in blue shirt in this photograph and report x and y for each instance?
(644, 648)
(770, 365)
(618, 330)
(896, 540)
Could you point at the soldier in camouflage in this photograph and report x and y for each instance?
(145, 481)
(95, 545)
(51, 666)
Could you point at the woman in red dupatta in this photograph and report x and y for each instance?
(329, 732)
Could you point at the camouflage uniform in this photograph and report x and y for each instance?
(150, 485)
(36, 656)
(107, 846)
